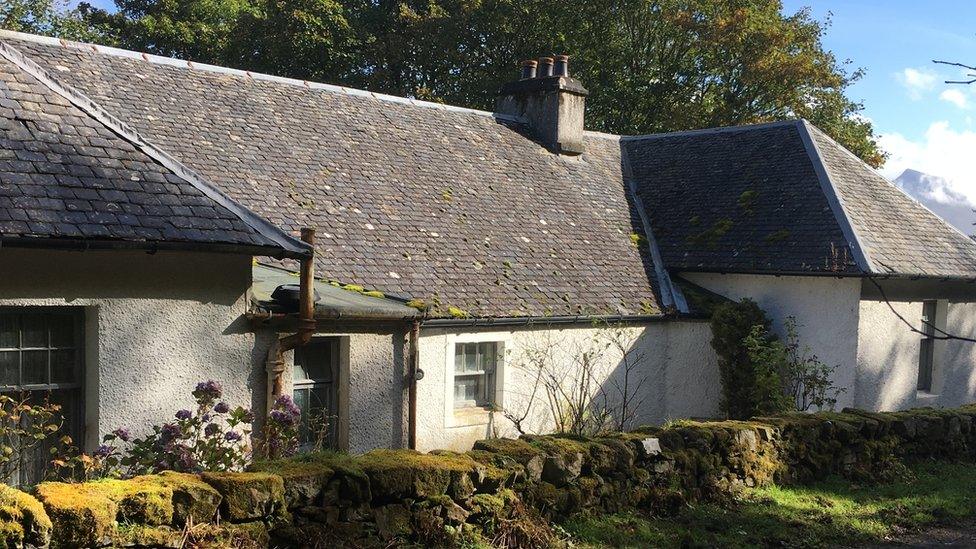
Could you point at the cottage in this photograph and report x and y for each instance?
(453, 247)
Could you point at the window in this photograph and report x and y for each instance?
(474, 374)
(41, 356)
(315, 379)
(926, 357)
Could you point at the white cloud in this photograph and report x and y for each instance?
(942, 152)
(956, 97)
(916, 81)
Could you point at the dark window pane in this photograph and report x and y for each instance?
(9, 332)
(34, 370)
(63, 366)
(62, 331)
(9, 368)
(34, 330)
(314, 361)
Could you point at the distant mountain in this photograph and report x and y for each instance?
(934, 192)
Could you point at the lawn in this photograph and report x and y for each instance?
(828, 513)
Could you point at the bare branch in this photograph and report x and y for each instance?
(942, 335)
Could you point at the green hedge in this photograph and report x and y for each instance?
(501, 488)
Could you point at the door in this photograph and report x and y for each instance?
(315, 391)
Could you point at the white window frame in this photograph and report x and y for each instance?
(474, 415)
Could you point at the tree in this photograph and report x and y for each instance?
(651, 65)
(47, 17)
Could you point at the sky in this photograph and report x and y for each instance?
(923, 123)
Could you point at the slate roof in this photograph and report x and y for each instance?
(452, 206)
(784, 198)
(742, 199)
(68, 180)
(465, 210)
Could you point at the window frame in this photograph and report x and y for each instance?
(77, 316)
(310, 384)
(489, 376)
(72, 396)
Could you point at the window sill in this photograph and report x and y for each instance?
(470, 416)
(925, 397)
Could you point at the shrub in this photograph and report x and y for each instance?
(281, 429)
(731, 324)
(27, 427)
(213, 437)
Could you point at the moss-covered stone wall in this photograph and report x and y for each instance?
(500, 488)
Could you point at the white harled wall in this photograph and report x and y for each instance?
(888, 356)
(155, 326)
(826, 310)
(679, 371)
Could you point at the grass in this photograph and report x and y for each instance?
(829, 513)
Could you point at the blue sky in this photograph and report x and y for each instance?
(923, 123)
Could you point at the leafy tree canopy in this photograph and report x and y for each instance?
(651, 65)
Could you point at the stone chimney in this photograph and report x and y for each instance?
(550, 101)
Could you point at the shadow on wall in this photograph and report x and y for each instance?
(613, 378)
(202, 277)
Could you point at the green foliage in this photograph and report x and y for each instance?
(49, 18)
(25, 426)
(808, 380)
(732, 323)
(651, 66)
(767, 357)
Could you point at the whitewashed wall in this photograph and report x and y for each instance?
(826, 310)
(888, 357)
(680, 378)
(155, 326)
(373, 406)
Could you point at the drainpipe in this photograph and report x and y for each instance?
(412, 372)
(306, 324)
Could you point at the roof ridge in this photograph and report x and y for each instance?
(217, 69)
(834, 199)
(723, 129)
(669, 290)
(259, 224)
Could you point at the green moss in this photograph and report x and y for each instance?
(248, 496)
(142, 500)
(418, 304)
(138, 535)
(374, 293)
(82, 514)
(304, 476)
(395, 474)
(26, 513)
(519, 450)
(193, 499)
(458, 312)
(777, 236)
(354, 288)
(636, 239)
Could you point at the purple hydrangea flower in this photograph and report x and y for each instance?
(248, 416)
(211, 429)
(232, 436)
(184, 414)
(170, 431)
(222, 408)
(122, 434)
(207, 391)
(283, 417)
(103, 451)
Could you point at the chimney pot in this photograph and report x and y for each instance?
(551, 106)
(561, 67)
(545, 67)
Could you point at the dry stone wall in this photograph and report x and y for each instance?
(500, 488)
